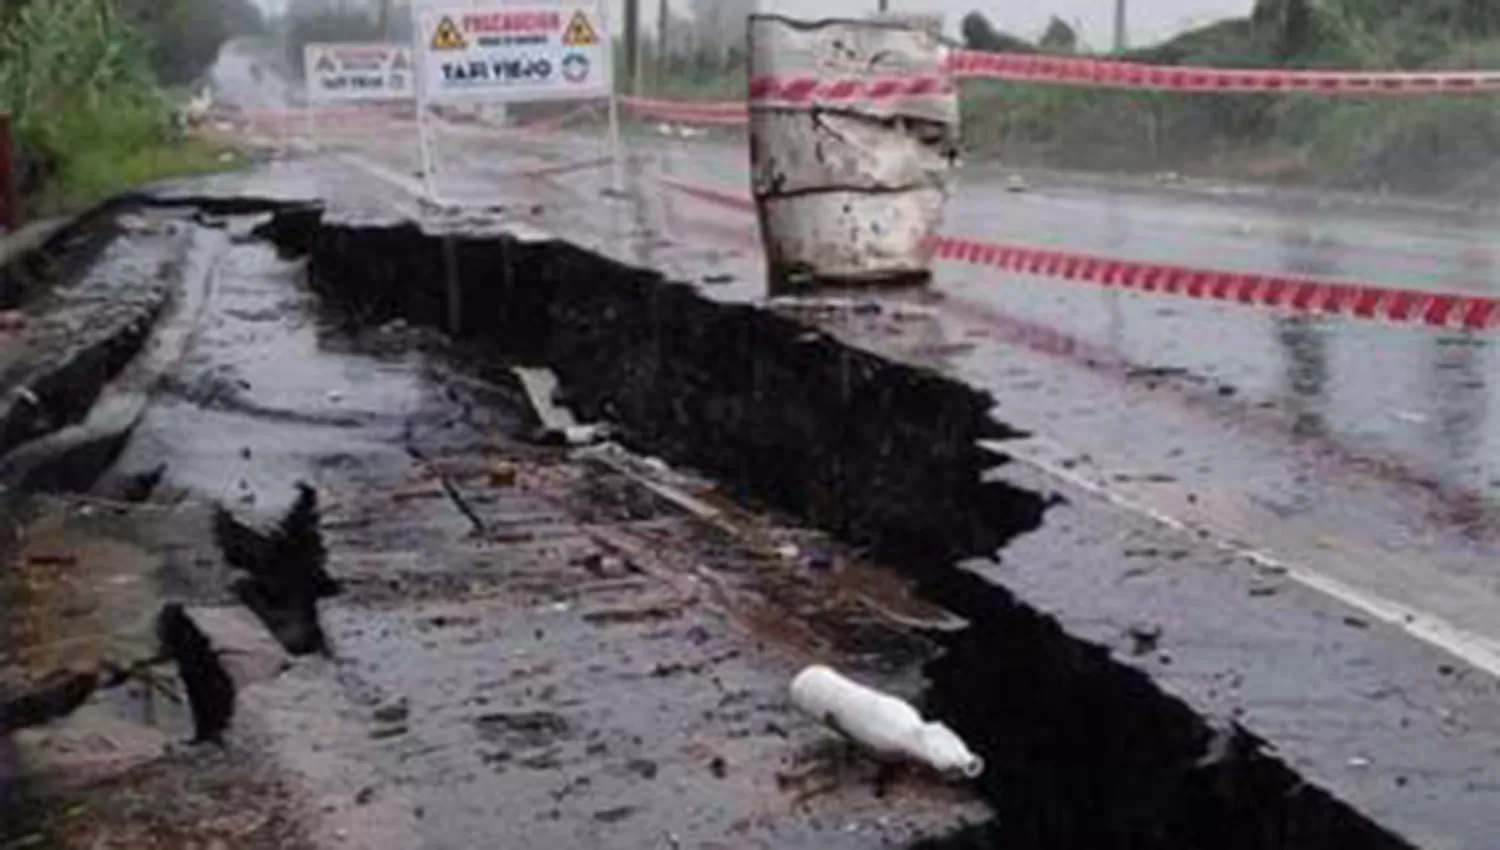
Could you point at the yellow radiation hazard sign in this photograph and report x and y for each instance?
(448, 36)
(580, 32)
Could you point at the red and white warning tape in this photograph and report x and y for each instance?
(1098, 73)
(1067, 71)
(770, 91)
(1296, 294)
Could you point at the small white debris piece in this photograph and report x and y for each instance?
(540, 386)
(583, 435)
(1016, 184)
(886, 726)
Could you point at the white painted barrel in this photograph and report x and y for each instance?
(850, 183)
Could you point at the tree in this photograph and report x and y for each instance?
(980, 34)
(185, 35)
(1286, 25)
(1059, 37)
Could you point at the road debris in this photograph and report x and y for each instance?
(889, 728)
(210, 690)
(285, 574)
(557, 424)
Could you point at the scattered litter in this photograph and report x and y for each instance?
(820, 561)
(911, 313)
(12, 321)
(644, 768)
(26, 395)
(1145, 638)
(382, 733)
(615, 815)
(503, 474)
(574, 436)
(52, 559)
(886, 726)
(558, 425)
(396, 712)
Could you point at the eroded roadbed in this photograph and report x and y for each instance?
(533, 646)
(1132, 682)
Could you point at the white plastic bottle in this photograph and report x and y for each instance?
(889, 727)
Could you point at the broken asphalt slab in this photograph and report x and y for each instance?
(1250, 719)
(80, 331)
(853, 435)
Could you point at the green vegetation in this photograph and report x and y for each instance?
(311, 21)
(1430, 145)
(81, 80)
(1426, 145)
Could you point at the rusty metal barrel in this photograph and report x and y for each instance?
(854, 136)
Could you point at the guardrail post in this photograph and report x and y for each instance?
(10, 179)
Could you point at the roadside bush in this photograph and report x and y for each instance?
(90, 117)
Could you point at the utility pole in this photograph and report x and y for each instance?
(633, 45)
(1120, 34)
(384, 24)
(663, 22)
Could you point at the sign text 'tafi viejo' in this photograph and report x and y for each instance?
(516, 52)
(341, 72)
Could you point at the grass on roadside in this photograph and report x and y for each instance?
(94, 175)
(106, 148)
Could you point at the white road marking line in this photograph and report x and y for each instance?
(1477, 650)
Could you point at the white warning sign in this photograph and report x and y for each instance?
(342, 72)
(516, 52)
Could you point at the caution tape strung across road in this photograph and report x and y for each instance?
(770, 91)
(1295, 294)
(1100, 73)
(1074, 71)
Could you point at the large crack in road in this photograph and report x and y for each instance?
(587, 648)
(599, 660)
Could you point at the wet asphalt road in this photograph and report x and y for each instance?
(533, 648)
(1363, 452)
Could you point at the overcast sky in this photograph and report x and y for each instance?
(1150, 20)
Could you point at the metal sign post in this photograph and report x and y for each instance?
(616, 142)
(10, 179)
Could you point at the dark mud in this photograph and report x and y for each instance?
(1084, 750)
